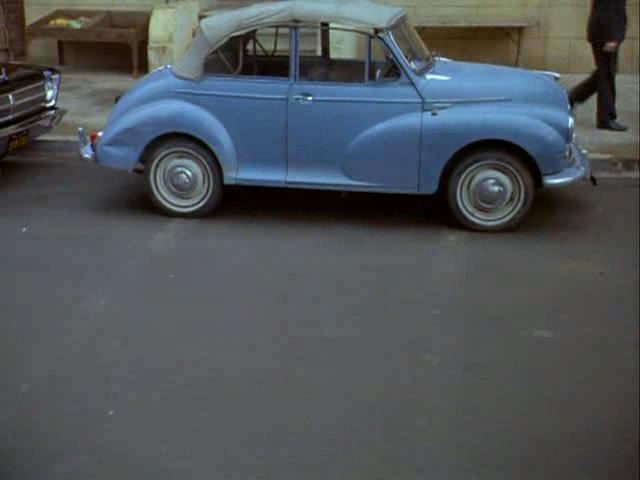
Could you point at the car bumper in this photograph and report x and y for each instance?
(86, 150)
(34, 126)
(579, 170)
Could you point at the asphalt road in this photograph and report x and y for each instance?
(311, 336)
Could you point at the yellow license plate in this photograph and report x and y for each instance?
(18, 140)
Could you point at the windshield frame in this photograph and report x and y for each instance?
(411, 47)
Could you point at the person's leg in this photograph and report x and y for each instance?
(583, 91)
(605, 76)
(614, 72)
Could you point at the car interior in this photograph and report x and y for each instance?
(247, 55)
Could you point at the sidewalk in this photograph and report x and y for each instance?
(615, 147)
(89, 97)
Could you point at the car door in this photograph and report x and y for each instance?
(245, 86)
(354, 119)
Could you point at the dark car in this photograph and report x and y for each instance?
(28, 96)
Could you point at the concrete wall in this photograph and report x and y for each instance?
(95, 56)
(555, 42)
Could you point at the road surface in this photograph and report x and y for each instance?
(311, 336)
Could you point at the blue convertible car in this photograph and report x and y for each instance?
(346, 97)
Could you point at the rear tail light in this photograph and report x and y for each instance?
(94, 137)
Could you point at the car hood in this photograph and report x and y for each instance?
(452, 80)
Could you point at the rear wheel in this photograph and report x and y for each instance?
(183, 178)
(490, 190)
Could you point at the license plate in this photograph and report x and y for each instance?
(18, 140)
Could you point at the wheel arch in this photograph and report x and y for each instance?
(165, 137)
(128, 137)
(487, 144)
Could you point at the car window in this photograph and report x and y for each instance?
(337, 55)
(259, 53)
(413, 48)
(383, 67)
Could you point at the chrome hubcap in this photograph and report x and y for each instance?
(181, 179)
(490, 192)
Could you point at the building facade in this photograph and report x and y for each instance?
(553, 39)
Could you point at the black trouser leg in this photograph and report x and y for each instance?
(601, 81)
(606, 63)
(614, 72)
(581, 92)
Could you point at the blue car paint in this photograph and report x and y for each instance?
(387, 137)
(366, 137)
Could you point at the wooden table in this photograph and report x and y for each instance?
(126, 27)
(508, 25)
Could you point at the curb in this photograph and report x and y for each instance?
(603, 166)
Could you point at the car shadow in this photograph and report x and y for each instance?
(292, 206)
(106, 191)
(551, 211)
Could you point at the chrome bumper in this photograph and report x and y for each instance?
(36, 125)
(579, 170)
(85, 149)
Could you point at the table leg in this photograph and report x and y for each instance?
(60, 52)
(518, 47)
(135, 58)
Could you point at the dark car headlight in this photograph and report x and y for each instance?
(51, 89)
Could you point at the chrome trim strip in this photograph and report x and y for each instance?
(47, 119)
(469, 100)
(232, 95)
(28, 87)
(15, 101)
(30, 99)
(366, 100)
(21, 113)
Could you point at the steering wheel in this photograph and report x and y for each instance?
(388, 70)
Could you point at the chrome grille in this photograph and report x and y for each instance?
(21, 102)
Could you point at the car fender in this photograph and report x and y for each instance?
(127, 135)
(448, 132)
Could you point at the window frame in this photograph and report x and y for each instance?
(326, 50)
(263, 78)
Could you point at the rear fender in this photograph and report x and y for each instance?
(125, 137)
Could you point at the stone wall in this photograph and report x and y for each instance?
(555, 41)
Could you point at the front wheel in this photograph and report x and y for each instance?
(183, 178)
(490, 191)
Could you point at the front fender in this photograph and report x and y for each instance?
(449, 131)
(127, 135)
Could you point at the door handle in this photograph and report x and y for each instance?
(304, 98)
(436, 107)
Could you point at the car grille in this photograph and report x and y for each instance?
(22, 102)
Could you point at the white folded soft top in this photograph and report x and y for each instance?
(215, 30)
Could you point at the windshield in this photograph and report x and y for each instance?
(413, 48)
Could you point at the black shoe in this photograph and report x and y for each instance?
(612, 125)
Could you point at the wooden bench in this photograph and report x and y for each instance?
(508, 25)
(126, 27)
